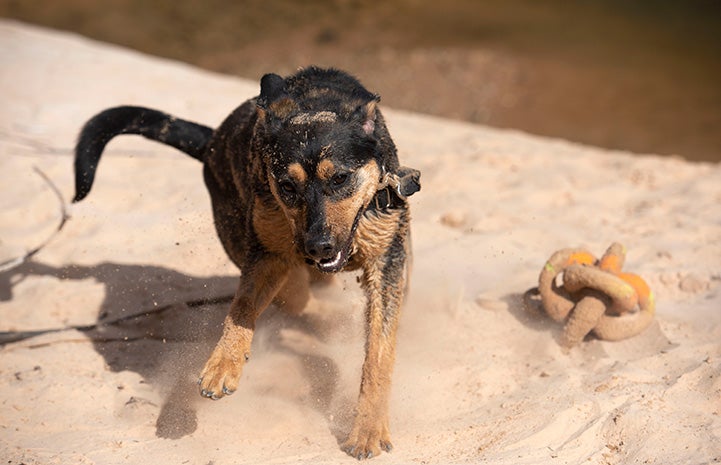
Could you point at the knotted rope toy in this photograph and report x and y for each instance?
(594, 295)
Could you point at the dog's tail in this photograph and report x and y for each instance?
(186, 136)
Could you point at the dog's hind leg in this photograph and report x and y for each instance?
(259, 285)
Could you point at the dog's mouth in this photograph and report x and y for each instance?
(340, 259)
(337, 263)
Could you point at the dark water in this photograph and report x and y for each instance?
(643, 76)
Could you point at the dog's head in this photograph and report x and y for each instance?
(319, 136)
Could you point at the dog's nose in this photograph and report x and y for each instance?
(320, 248)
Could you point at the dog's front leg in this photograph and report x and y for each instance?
(258, 286)
(384, 284)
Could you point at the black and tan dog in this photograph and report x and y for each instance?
(304, 178)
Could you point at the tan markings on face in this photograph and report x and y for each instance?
(274, 228)
(296, 171)
(317, 117)
(326, 169)
(342, 213)
(287, 222)
(283, 108)
(317, 92)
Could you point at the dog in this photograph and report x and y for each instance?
(304, 181)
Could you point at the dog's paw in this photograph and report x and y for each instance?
(221, 374)
(367, 441)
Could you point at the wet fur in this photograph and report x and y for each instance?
(293, 177)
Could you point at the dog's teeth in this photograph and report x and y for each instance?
(332, 262)
(336, 260)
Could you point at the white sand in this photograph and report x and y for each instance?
(477, 380)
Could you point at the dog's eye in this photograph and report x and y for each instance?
(287, 187)
(339, 179)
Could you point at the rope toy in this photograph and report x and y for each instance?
(594, 295)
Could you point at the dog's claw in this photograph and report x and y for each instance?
(359, 453)
(212, 395)
(227, 391)
(220, 375)
(366, 443)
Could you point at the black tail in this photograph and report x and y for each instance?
(191, 138)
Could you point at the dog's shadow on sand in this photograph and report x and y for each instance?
(163, 324)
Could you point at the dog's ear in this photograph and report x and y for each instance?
(273, 98)
(366, 115)
(272, 87)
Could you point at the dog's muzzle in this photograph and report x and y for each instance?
(324, 253)
(328, 259)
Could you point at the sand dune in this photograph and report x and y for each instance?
(478, 379)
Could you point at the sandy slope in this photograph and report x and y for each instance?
(478, 380)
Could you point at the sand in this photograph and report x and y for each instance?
(478, 378)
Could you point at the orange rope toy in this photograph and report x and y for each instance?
(594, 295)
